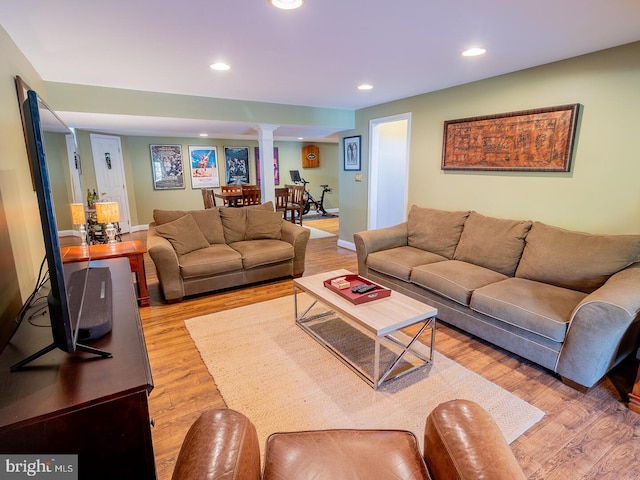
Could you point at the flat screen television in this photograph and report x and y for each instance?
(67, 296)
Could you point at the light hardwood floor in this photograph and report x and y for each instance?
(591, 435)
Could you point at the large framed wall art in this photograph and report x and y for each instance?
(167, 167)
(540, 140)
(276, 166)
(236, 162)
(204, 167)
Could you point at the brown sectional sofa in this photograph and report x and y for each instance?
(201, 251)
(568, 301)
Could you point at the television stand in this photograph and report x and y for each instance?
(49, 348)
(98, 410)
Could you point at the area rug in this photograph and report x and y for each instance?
(269, 369)
(317, 233)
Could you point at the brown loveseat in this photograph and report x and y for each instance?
(461, 441)
(201, 251)
(565, 300)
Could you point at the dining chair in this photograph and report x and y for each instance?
(235, 200)
(251, 195)
(295, 203)
(282, 198)
(208, 197)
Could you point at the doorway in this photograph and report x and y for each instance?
(110, 179)
(388, 170)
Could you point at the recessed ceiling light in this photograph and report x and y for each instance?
(474, 52)
(219, 66)
(365, 86)
(286, 4)
(204, 134)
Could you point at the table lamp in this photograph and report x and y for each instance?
(109, 213)
(78, 218)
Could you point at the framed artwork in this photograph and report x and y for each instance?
(276, 166)
(539, 140)
(167, 167)
(352, 159)
(236, 163)
(204, 167)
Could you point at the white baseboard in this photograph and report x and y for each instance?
(347, 245)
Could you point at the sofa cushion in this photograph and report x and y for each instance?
(493, 243)
(184, 234)
(537, 307)
(234, 221)
(574, 260)
(436, 231)
(256, 253)
(262, 224)
(398, 262)
(208, 221)
(454, 279)
(213, 260)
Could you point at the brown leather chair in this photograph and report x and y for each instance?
(461, 441)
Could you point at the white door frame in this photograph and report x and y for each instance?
(117, 168)
(378, 163)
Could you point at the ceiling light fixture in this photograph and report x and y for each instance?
(286, 4)
(474, 52)
(219, 66)
(204, 134)
(365, 86)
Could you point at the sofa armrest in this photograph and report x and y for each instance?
(375, 240)
(298, 237)
(462, 441)
(603, 329)
(165, 260)
(222, 443)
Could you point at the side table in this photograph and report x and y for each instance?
(132, 250)
(634, 396)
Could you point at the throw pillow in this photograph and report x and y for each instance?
(184, 234)
(436, 231)
(263, 224)
(575, 260)
(493, 243)
(208, 220)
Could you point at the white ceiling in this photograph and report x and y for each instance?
(314, 56)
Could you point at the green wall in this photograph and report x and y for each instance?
(599, 195)
(18, 197)
(143, 199)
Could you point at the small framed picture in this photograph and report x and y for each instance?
(167, 167)
(204, 167)
(352, 159)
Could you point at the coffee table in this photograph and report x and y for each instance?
(380, 319)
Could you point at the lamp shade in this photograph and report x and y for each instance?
(77, 214)
(107, 212)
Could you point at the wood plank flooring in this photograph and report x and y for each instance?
(582, 436)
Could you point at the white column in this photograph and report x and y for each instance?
(265, 143)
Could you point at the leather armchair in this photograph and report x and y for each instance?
(461, 441)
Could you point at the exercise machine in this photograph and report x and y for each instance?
(309, 200)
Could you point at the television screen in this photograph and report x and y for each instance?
(47, 136)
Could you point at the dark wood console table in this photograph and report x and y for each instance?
(81, 404)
